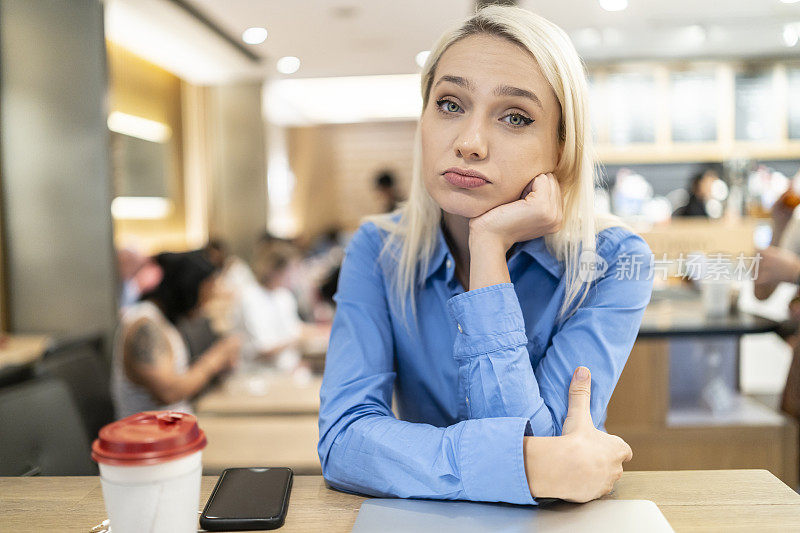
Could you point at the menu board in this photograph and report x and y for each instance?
(756, 114)
(694, 106)
(631, 98)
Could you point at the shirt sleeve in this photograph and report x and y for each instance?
(363, 447)
(491, 346)
(601, 332)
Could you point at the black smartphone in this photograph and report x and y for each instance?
(248, 498)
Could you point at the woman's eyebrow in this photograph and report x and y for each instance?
(458, 80)
(501, 90)
(507, 90)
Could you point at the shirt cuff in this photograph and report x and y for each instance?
(542, 422)
(491, 460)
(488, 319)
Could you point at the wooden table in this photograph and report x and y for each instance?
(277, 427)
(261, 440)
(21, 350)
(723, 500)
(284, 396)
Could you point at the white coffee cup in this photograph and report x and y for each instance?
(716, 296)
(150, 471)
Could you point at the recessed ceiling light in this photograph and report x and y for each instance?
(254, 35)
(288, 65)
(790, 35)
(790, 1)
(422, 57)
(613, 5)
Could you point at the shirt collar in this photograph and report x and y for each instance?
(535, 248)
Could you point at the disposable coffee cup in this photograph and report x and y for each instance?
(150, 470)
(716, 296)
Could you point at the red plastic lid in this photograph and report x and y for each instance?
(148, 438)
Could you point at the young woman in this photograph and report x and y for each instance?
(483, 303)
(151, 369)
(268, 312)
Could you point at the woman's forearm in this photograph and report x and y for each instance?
(184, 386)
(487, 263)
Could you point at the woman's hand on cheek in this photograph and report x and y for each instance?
(538, 212)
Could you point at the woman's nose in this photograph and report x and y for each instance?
(471, 143)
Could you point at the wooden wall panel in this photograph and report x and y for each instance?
(335, 167)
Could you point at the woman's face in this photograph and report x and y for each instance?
(490, 109)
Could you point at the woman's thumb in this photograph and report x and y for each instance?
(580, 393)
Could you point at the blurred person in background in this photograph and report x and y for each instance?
(386, 187)
(234, 272)
(780, 263)
(268, 315)
(151, 368)
(700, 189)
(137, 274)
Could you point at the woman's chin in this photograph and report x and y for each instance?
(464, 205)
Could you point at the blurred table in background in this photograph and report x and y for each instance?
(21, 350)
(261, 418)
(271, 394)
(258, 440)
(678, 402)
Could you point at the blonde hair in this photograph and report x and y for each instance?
(416, 229)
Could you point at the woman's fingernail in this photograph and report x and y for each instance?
(583, 373)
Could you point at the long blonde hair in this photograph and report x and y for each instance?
(414, 233)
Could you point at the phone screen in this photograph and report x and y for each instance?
(250, 493)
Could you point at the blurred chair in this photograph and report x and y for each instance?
(42, 432)
(13, 374)
(80, 364)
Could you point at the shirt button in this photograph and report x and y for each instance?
(467, 400)
(459, 329)
(449, 263)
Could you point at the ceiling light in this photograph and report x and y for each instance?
(790, 35)
(288, 65)
(422, 57)
(613, 5)
(790, 1)
(254, 35)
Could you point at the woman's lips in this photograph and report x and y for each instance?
(455, 177)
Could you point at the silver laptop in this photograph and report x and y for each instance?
(618, 516)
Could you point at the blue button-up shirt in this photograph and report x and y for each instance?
(473, 374)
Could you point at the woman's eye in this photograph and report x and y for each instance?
(448, 106)
(515, 119)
